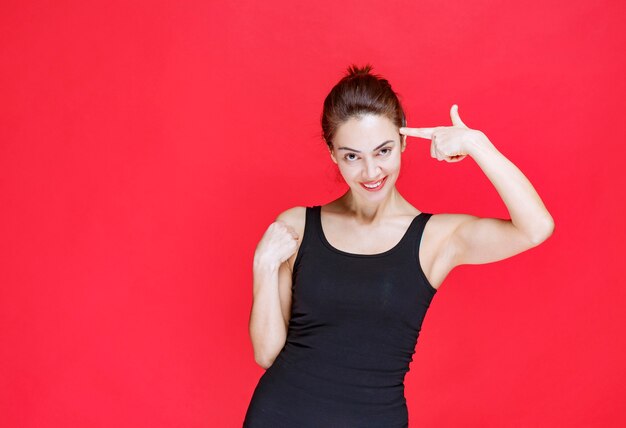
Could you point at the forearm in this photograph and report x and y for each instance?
(268, 331)
(527, 211)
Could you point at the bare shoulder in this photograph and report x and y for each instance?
(294, 217)
(446, 223)
(439, 232)
(436, 255)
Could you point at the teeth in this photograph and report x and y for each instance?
(372, 186)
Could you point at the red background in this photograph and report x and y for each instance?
(145, 147)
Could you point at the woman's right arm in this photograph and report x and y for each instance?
(269, 317)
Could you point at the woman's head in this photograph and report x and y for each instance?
(360, 123)
(358, 93)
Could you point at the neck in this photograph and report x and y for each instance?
(370, 212)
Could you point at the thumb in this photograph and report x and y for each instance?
(454, 115)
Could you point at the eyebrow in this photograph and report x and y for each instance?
(358, 151)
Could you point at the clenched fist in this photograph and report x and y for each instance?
(279, 243)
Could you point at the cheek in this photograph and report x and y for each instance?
(397, 160)
(393, 168)
(348, 174)
(393, 162)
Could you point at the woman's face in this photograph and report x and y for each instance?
(368, 151)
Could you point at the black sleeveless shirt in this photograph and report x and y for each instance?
(355, 320)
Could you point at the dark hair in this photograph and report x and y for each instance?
(359, 93)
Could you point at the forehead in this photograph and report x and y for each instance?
(369, 130)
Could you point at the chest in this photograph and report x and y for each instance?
(366, 240)
(332, 289)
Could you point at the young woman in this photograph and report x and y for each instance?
(340, 290)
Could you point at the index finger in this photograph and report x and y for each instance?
(418, 132)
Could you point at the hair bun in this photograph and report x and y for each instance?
(354, 70)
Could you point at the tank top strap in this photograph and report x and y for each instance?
(418, 232)
(308, 236)
(409, 245)
(422, 219)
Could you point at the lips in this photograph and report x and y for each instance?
(380, 186)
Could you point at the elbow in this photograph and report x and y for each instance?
(264, 358)
(266, 348)
(546, 232)
(264, 362)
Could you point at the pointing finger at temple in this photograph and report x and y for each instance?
(418, 132)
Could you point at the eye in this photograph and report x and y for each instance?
(349, 154)
(386, 148)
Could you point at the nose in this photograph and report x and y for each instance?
(372, 170)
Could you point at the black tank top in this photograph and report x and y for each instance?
(355, 320)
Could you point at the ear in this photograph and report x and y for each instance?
(332, 155)
(402, 142)
(330, 149)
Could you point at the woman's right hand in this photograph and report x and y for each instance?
(279, 243)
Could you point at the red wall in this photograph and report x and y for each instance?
(146, 146)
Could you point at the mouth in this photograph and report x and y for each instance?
(374, 186)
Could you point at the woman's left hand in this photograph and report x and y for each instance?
(449, 143)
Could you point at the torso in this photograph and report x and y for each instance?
(377, 239)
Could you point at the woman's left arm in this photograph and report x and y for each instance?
(476, 240)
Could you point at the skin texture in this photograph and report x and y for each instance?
(366, 222)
